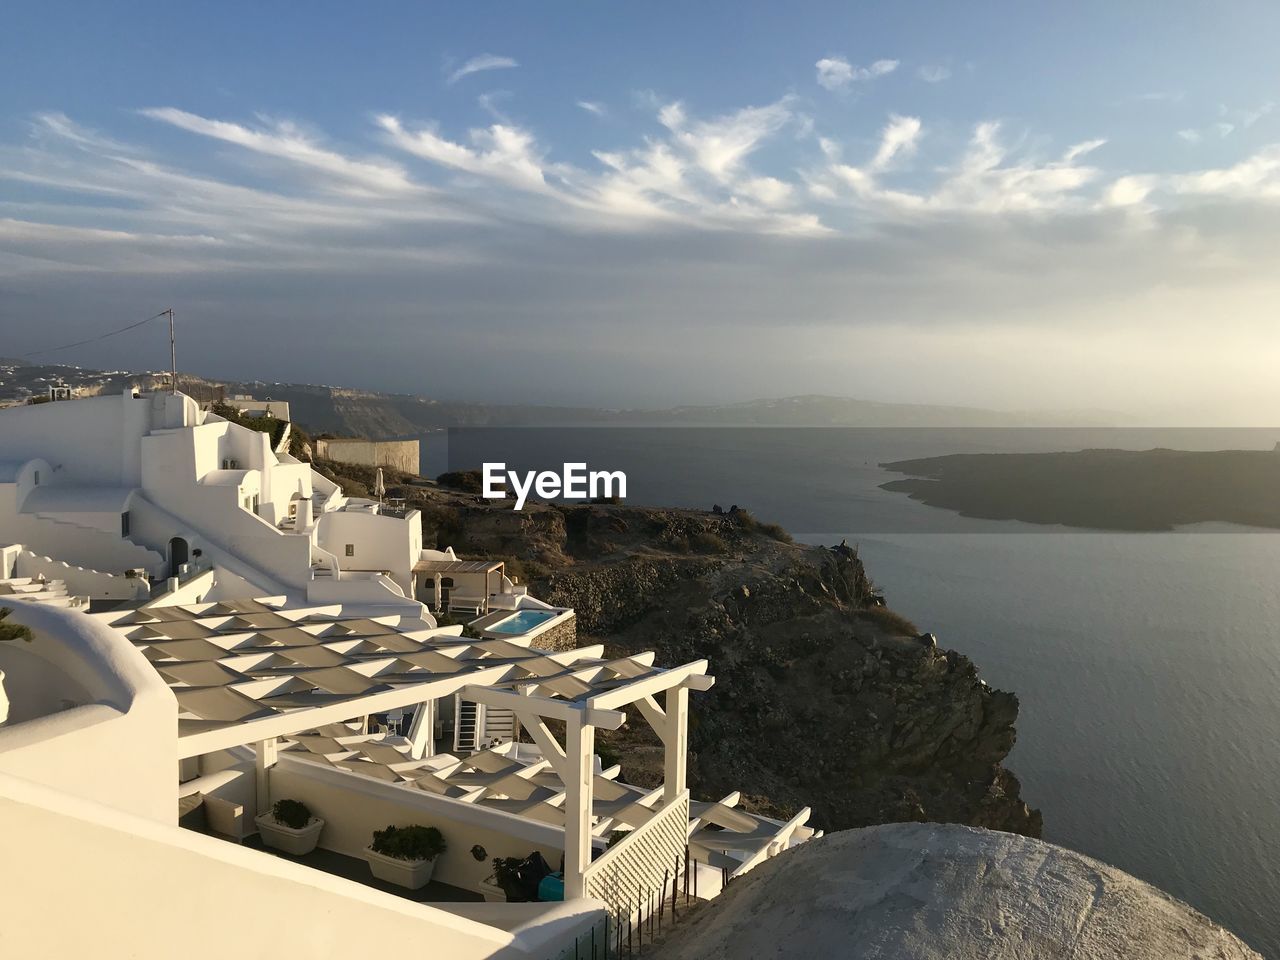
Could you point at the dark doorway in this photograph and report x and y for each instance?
(177, 555)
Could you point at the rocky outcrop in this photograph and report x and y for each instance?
(820, 699)
(823, 697)
(944, 893)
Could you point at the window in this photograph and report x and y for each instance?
(351, 549)
(37, 479)
(124, 524)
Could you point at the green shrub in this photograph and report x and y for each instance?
(704, 541)
(747, 521)
(353, 488)
(890, 622)
(414, 842)
(292, 813)
(13, 631)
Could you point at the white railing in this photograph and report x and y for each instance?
(641, 864)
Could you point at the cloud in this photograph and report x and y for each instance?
(933, 73)
(1256, 177)
(1228, 122)
(767, 191)
(456, 246)
(988, 179)
(285, 141)
(501, 151)
(486, 61)
(837, 73)
(898, 138)
(592, 107)
(720, 146)
(1249, 117)
(700, 175)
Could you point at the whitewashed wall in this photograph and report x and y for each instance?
(118, 743)
(160, 892)
(381, 542)
(82, 581)
(356, 806)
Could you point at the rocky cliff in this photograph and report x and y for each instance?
(823, 697)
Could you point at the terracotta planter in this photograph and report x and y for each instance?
(296, 843)
(411, 874)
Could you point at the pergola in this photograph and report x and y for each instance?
(247, 673)
(481, 570)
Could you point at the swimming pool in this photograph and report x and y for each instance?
(524, 621)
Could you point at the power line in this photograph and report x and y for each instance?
(81, 343)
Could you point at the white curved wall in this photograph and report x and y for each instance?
(119, 744)
(152, 892)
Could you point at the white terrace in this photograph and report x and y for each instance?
(289, 682)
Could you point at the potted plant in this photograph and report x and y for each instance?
(505, 877)
(290, 828)
(405, 856)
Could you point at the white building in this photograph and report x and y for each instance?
(253, 407)
(144, 745)
(151, 483)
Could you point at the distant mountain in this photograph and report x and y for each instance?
(824, 411)
(344, 411)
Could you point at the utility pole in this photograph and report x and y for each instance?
(173, 354)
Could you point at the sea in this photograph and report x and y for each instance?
(1147, 664)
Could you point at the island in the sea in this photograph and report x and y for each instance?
(1134, 490)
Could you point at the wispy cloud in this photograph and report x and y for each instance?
(705, 222)
(699, 171)
(592, 107)
(486, 61)
(988, 179)
(837, 73)
(934, 73)
(721, 145)
(286, 141)
(1229, 121)
(501, 151)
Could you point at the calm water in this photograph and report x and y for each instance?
(1148, 665)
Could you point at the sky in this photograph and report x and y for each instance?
(1009, 205)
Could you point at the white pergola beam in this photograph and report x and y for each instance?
(652, 683)
(308, 718)
(564, 710)
(552, 752)
(655, 715)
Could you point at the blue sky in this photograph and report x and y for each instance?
(1005, 204)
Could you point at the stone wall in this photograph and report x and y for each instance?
(563, 636)
(396, 454)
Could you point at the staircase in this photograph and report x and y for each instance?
(85, 546)
(51, 592)
(464, 726)
(477, 725)
(499, 724)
